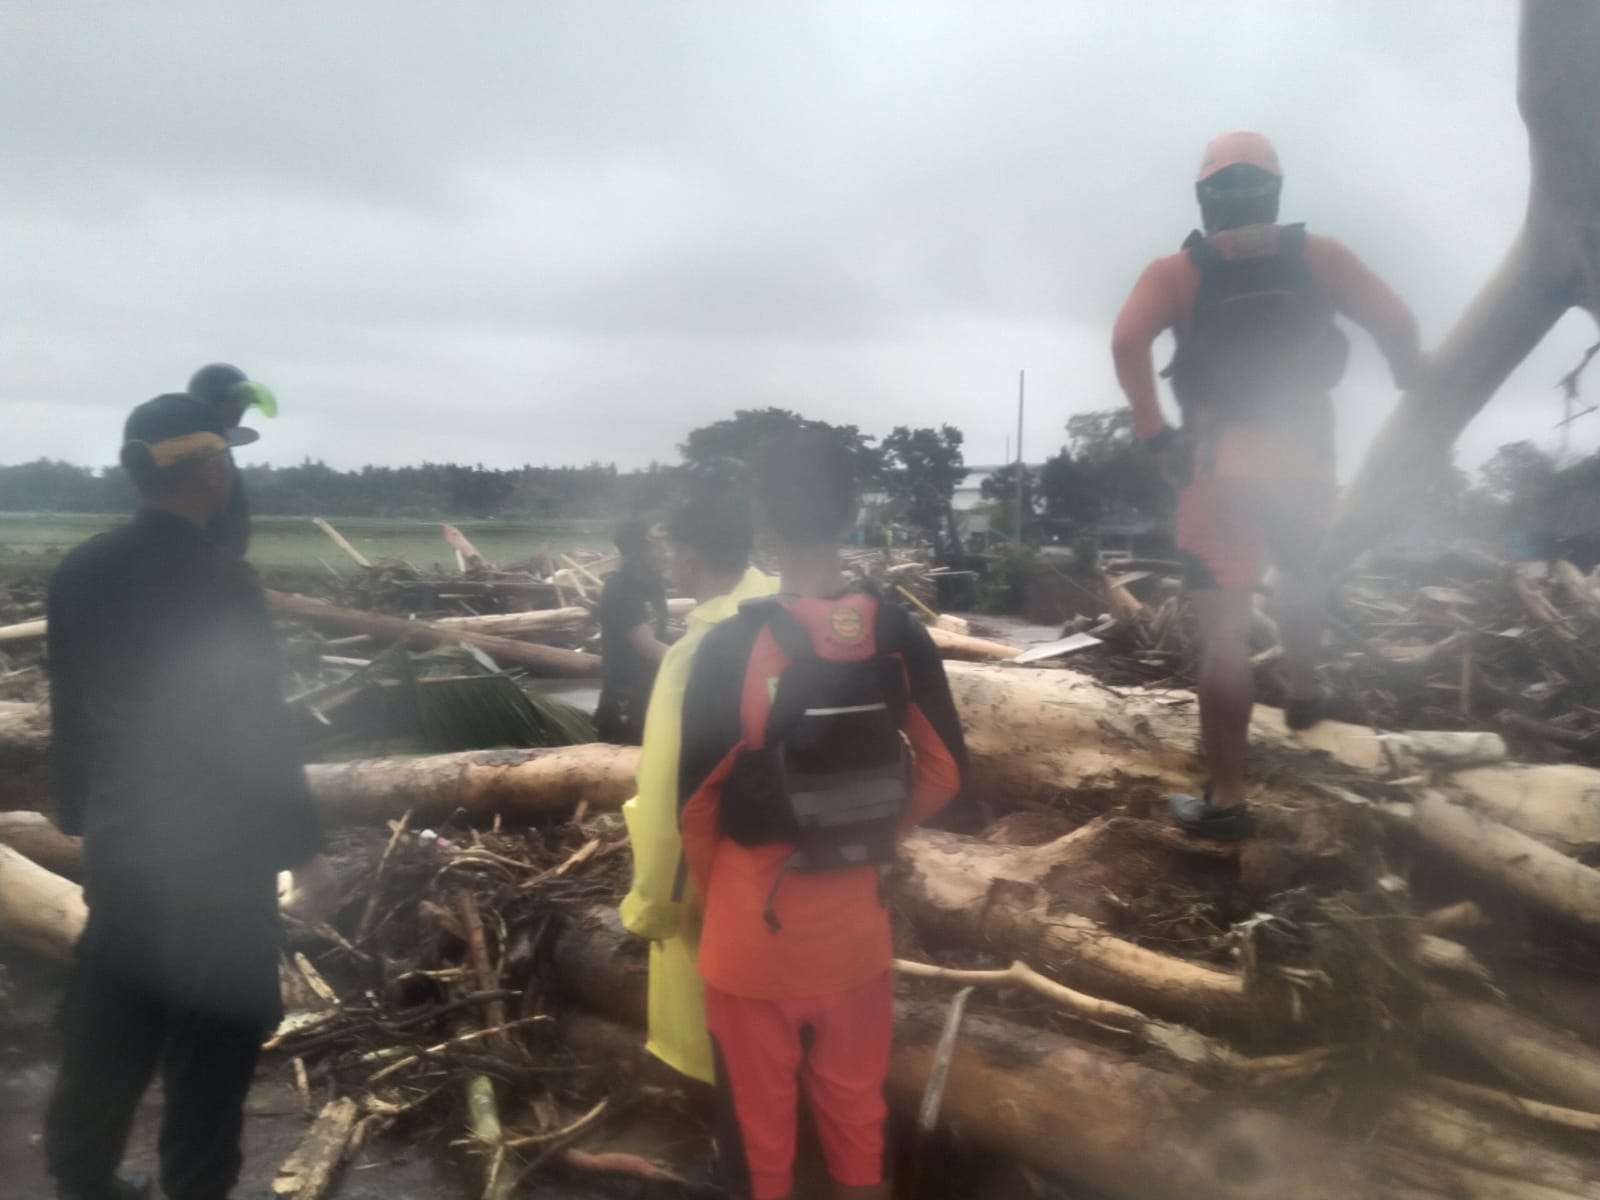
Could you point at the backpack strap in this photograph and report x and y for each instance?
(1200, 250)
(790, 635)
(889, 628)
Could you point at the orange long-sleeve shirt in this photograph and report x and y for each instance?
(1163, 298)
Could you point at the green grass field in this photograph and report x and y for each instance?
(287, 550)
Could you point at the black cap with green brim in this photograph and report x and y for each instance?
(218, 383)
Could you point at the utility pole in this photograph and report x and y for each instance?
(1022, 387)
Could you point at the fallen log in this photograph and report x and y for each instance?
(972, 649)
(39, 911)
(36, 838)
(1087, 1073)
(1522, 1106)
(1441, 1179)
(481, 783)
(1180, 1042)
(1559, 804)
(1054, 1103)
(1035, 733)
(1112, 1124)
(1049, 729)
(541, 620)
(1510, 859)
(544, 660)
(308, 1173)
(1032, 735)
(510, 624)
(958, 890)
(1548, 1063)
(1432, 1125)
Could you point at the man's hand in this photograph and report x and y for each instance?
(1173, 453)
(315, 892)
(643, 639)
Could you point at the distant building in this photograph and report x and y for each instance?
(969, 497)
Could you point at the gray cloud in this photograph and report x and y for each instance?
(564, 232)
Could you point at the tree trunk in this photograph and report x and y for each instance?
(484, 783)
(311, 1168)
(1512, 860)
(32, 835)
(972, 649)
(39, 910)
(1032, 735)
(1057, 1104)
(1035, 904)
(1558, 803)
(1428, 1124)
(1112, 1124)
(541, 660)
(1542, 1061)
(508, 624)
(1553, 264)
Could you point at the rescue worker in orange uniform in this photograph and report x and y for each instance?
(817, 726)
(1252, 304)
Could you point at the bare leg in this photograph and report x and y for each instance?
(872, 1191)
(1300, 623)
(1226, 692)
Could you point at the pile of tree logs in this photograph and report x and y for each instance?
(1391, 993)
(1463, 642)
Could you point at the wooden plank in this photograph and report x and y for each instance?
(1055, 649)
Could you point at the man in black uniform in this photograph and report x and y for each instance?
(172, 754)
(633, 634)
(228, 392)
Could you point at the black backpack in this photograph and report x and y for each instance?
(1261, 336)
(834, 773)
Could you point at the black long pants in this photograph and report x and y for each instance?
(118, 1033)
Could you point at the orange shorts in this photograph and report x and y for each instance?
(1255, 497)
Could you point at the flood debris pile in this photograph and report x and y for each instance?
(1458, 642)
(1390, 993)
(429, 1000)
(21, 643)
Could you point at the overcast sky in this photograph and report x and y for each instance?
(562, 232)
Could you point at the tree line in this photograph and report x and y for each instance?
(1098, 475)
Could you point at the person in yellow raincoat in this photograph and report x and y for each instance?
(710, 540)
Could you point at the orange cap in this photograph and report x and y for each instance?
(1240, 146)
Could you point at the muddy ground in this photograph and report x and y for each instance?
(388, 1169)
(396, 1166)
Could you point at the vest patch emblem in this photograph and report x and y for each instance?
(846, 624)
